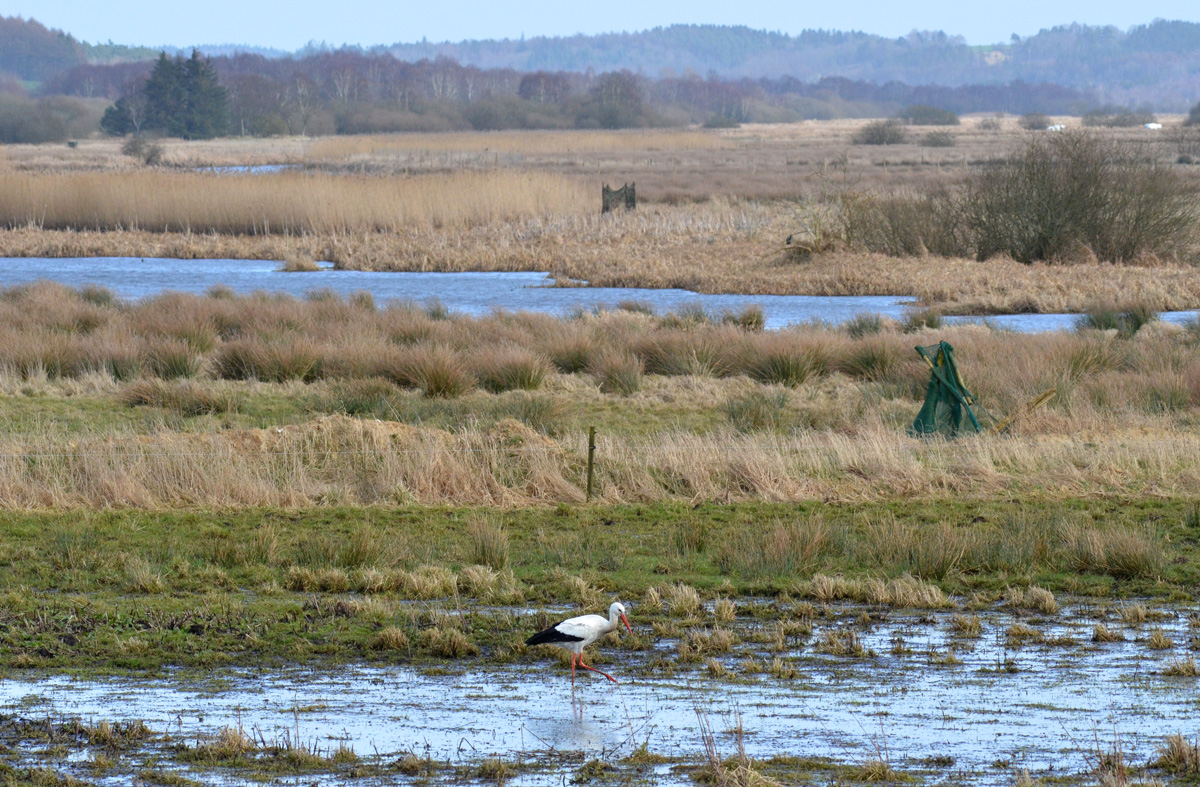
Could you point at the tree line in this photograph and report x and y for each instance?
(353, 92)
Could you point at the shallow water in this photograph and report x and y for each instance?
(469, 293)
(1045, 708)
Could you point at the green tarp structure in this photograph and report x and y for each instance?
(948, 403)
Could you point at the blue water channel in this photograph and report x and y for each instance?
(468, 293)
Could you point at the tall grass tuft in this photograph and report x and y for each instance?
(758, 410)
(256, 359)
(617, 372)
(509, 369)
(784, 359)
(186, 398)
(170, 358)
(863, 325)
(1122, 553)
(487, 544)
(1126, 320)
(438, 371)
(784, 549)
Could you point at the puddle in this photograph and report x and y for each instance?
(247, 169)
(1045, 708)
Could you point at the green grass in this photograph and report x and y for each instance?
(146, 590)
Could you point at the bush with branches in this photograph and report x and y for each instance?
(1034, 121)
(880, 132)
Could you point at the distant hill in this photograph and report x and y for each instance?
(1158, 63)
(34, 53)
(31, 52)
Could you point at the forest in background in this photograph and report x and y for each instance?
(54, 87)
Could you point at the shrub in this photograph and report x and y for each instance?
(1034, 121)
(721, 121)
(1076, 189)
(925, 115)
(26, 121)
(880, 132)
(1117, 117)
(366, 396)
(920, 319)
(905, 224)
(148, 152)
(751, 318)
(570, 351)
(937, 139)
(873, 359)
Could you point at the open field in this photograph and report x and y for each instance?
(716, 208)
(221, 492)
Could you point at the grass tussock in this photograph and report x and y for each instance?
(617, 372)
(1182, 668)
(448, 643)
(510, 369)
(1179, 756)
(390, 638)
(487, 544)
(187, 398)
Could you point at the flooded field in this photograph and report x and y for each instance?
(938, 697)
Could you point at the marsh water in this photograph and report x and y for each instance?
(469, 293)
(981, 717)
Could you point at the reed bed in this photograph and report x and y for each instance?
(687, 407)
(713, 248)
(528, 143)
(279, 203)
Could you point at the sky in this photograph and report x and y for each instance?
(290, 24)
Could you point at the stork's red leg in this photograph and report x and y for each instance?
(573, 657)
(593, 669)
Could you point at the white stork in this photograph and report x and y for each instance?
(575, 634)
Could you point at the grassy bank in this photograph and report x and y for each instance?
(183, 401)
(126, 590)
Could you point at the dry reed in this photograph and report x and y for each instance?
(510, 143)
(281, 203)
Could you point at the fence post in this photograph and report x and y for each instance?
(591, 459)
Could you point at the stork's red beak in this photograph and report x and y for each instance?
(625, 620)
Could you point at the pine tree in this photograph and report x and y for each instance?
(182, 98)
(164, 91)
(206, 114)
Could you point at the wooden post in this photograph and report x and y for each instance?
(591, 459)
